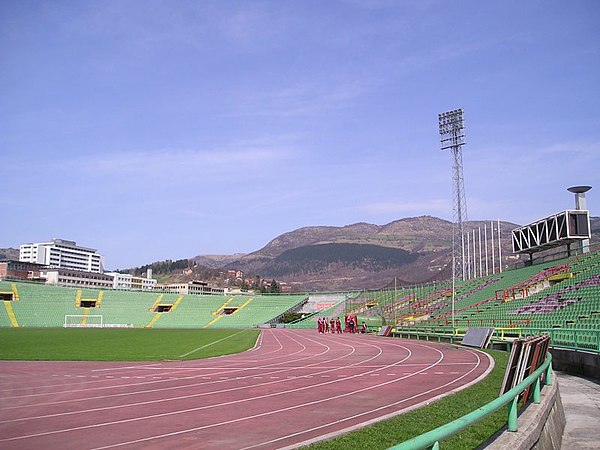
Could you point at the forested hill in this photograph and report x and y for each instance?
(318, 258)
(175, 271)
(360, 255)
(9, 253)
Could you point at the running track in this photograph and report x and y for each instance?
(294, 387)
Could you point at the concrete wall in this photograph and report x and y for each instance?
(541, 426)
(582, 364)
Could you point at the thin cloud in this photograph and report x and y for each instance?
(205, 214)
(422, 57)
(251, 24)
(301, 98)
(525, 157)
(171, 161)
(136, 29)
(578, 149)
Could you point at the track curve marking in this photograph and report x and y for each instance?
(294, 387)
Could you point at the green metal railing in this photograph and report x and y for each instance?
(580, 339)
(431, 439)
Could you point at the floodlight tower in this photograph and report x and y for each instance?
(452, 137)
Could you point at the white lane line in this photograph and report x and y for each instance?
(177, 433)
(88, 389)
(385, 416)
(211, 343)
(179, 387)
(380, 351)
(125, 367)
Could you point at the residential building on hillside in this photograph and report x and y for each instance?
(62, 254)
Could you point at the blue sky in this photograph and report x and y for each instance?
(165, 129)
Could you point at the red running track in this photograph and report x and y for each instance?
(294, 387)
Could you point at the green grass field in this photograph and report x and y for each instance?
(120, 344)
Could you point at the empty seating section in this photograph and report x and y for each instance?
(194, 311)
(253, 311)
(558, 296)
(41, 305)
(126, 307)
(562, 294)
(554, 296)
(4, 319)
(477, 301)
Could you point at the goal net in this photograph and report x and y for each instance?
(83, 321)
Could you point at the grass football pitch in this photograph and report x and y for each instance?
(119, 344)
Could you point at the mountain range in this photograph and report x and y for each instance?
(356, 256)
(361, 255)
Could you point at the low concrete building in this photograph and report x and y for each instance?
(125, 281)
(78, 278)
(20, 270)
(193, 287)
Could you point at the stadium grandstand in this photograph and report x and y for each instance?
(555, 297)
(27, 304)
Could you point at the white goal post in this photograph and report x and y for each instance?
(83, 321)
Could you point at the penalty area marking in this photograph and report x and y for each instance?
(212, 343)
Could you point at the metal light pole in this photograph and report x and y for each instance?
(452, 137)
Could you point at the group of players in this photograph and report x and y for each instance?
(325, 325)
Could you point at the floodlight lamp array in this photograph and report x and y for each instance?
(452, 129)
(451, 121)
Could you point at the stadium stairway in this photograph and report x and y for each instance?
(158, 303)
(218, 313)
(11, 314)
(157, 315)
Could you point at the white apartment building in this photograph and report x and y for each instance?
(62, 254)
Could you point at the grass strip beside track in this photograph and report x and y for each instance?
(393, 431)
(118, 344)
